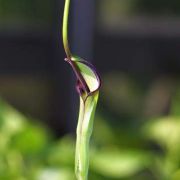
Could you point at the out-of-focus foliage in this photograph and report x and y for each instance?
(158, 6)
(141, 148)
(147, 7)
(28, 152)
(36, 12)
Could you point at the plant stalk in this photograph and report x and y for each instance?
(88, 101)
(65, 29)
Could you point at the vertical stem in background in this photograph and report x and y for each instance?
(65, 29)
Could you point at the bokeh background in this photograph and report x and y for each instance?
(135, 45)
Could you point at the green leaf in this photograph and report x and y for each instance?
(119, 164)
(175, 105)
(62, 152)
(176, 175)
(32, 140)
(165, 131)
(56, 174)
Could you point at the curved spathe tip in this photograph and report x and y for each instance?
(88, 79)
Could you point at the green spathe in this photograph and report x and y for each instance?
(84, 131)
(88, 84)
(88, 102)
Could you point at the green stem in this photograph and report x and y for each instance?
(65, 29)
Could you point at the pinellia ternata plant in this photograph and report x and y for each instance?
(88, 84)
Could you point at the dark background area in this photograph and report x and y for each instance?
(142, 41)
(33, 73)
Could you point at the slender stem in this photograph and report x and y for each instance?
(65, 29)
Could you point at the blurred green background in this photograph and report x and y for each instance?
(140, 147)
(135, 47)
